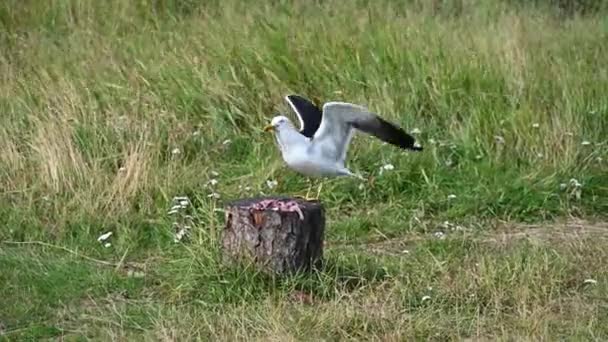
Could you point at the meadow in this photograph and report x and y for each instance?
(110, 111)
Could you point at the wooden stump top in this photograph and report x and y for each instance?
(249, 202)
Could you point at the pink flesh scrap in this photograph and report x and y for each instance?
(278, 205)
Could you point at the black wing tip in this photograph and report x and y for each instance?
(291, 97)
(301, 99)
(309, 114)
(414, 145)
(400, 137)
(411, 145)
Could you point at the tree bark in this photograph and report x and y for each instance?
(274, 240)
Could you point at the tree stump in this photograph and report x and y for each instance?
(273, 235)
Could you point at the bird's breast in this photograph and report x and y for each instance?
(311, 165)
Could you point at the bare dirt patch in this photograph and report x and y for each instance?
(549, 232)
(500, 233)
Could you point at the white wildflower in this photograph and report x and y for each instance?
(361, 186)
(586, 143)
(135, 274)
(451, 196)
(535, 125)
(196, 133)
(405, 251)
(386, 167)
(271, 184)
(417, 145)
(575, 183)
(425, 298)
(416, 131)
(107, 245)
(122, 169)
(446, 225)
(176, 151)
(478, 157)
(104, 237)
(576, 188)
(590, 281)
(439, 235)
(181, 234)
(214, 173)
(563, 186)
(212, 182)
(226, 142)
(540, 155)
(214, 195)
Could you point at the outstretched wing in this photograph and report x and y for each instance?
(339, 120)
(308, 113)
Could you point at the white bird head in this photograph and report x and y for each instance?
(277, 123)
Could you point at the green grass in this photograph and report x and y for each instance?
(95, 96)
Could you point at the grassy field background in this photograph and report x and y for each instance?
(111, 109)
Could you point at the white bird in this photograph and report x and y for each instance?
(319, 148)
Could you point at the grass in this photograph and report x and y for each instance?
(108, 110)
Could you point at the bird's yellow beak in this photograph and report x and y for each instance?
(269, 128)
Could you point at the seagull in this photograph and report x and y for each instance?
(319, 147)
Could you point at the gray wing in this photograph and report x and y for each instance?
(339, 120)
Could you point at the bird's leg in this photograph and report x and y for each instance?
(309, 181)
(319, 189)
